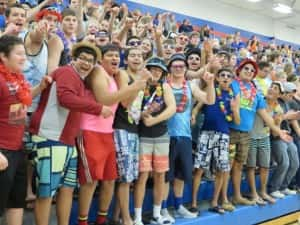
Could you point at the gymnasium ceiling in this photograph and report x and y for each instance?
(264, 7)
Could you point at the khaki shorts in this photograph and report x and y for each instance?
(154, 154)
(241, 141)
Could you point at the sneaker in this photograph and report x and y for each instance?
(277, 194)
(288, 191)
(165, 214)
(138, 222)
(184, 213)
(160, 221)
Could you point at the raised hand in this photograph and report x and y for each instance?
(145, 74)
(115, 11)
(129, 23)
(158, 32)
(209, 78)
(12, 29)
(214, 64)
(139, 84)
(90, 38)
(235, 104)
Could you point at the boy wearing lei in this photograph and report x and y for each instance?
(251, 102)
(260, 148)
(158, 106)
(213, 144)
(179, 128)
(15, 97)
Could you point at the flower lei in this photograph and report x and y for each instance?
(181, 106)
(18, 82)
(250, 95)
(155, 97)
(228, 115)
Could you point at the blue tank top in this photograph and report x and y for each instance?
(179, 125)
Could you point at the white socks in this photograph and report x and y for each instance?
(156, 211)
(138, 214)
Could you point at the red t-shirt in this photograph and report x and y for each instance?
(12, 117)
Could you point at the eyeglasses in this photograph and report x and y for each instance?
(86, 60)
(169, 46)
(226, 75)
(178, 66)
(134, 43)
(194, 58)
(249, 69)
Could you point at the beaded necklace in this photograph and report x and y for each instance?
(248, 94)
(228, 115)
(181, 106)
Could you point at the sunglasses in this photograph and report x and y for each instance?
(226, 75)
(178, 66)
(249, 69)
(101, 34)
(134, 43)
(194, 58)
(169, 46)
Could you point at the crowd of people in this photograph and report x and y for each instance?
(97, 95)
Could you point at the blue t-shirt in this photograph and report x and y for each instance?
(179, 125)
(247, 109)
(214, 118)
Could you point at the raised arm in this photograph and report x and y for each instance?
(100, 85)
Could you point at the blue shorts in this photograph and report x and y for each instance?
(181, 160)
(127, 149)
(55, 165)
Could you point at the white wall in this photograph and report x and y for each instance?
(236, 17)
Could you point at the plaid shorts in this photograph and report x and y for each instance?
(259, 153)
(213, 151)
(55, 165)
(127, 149)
